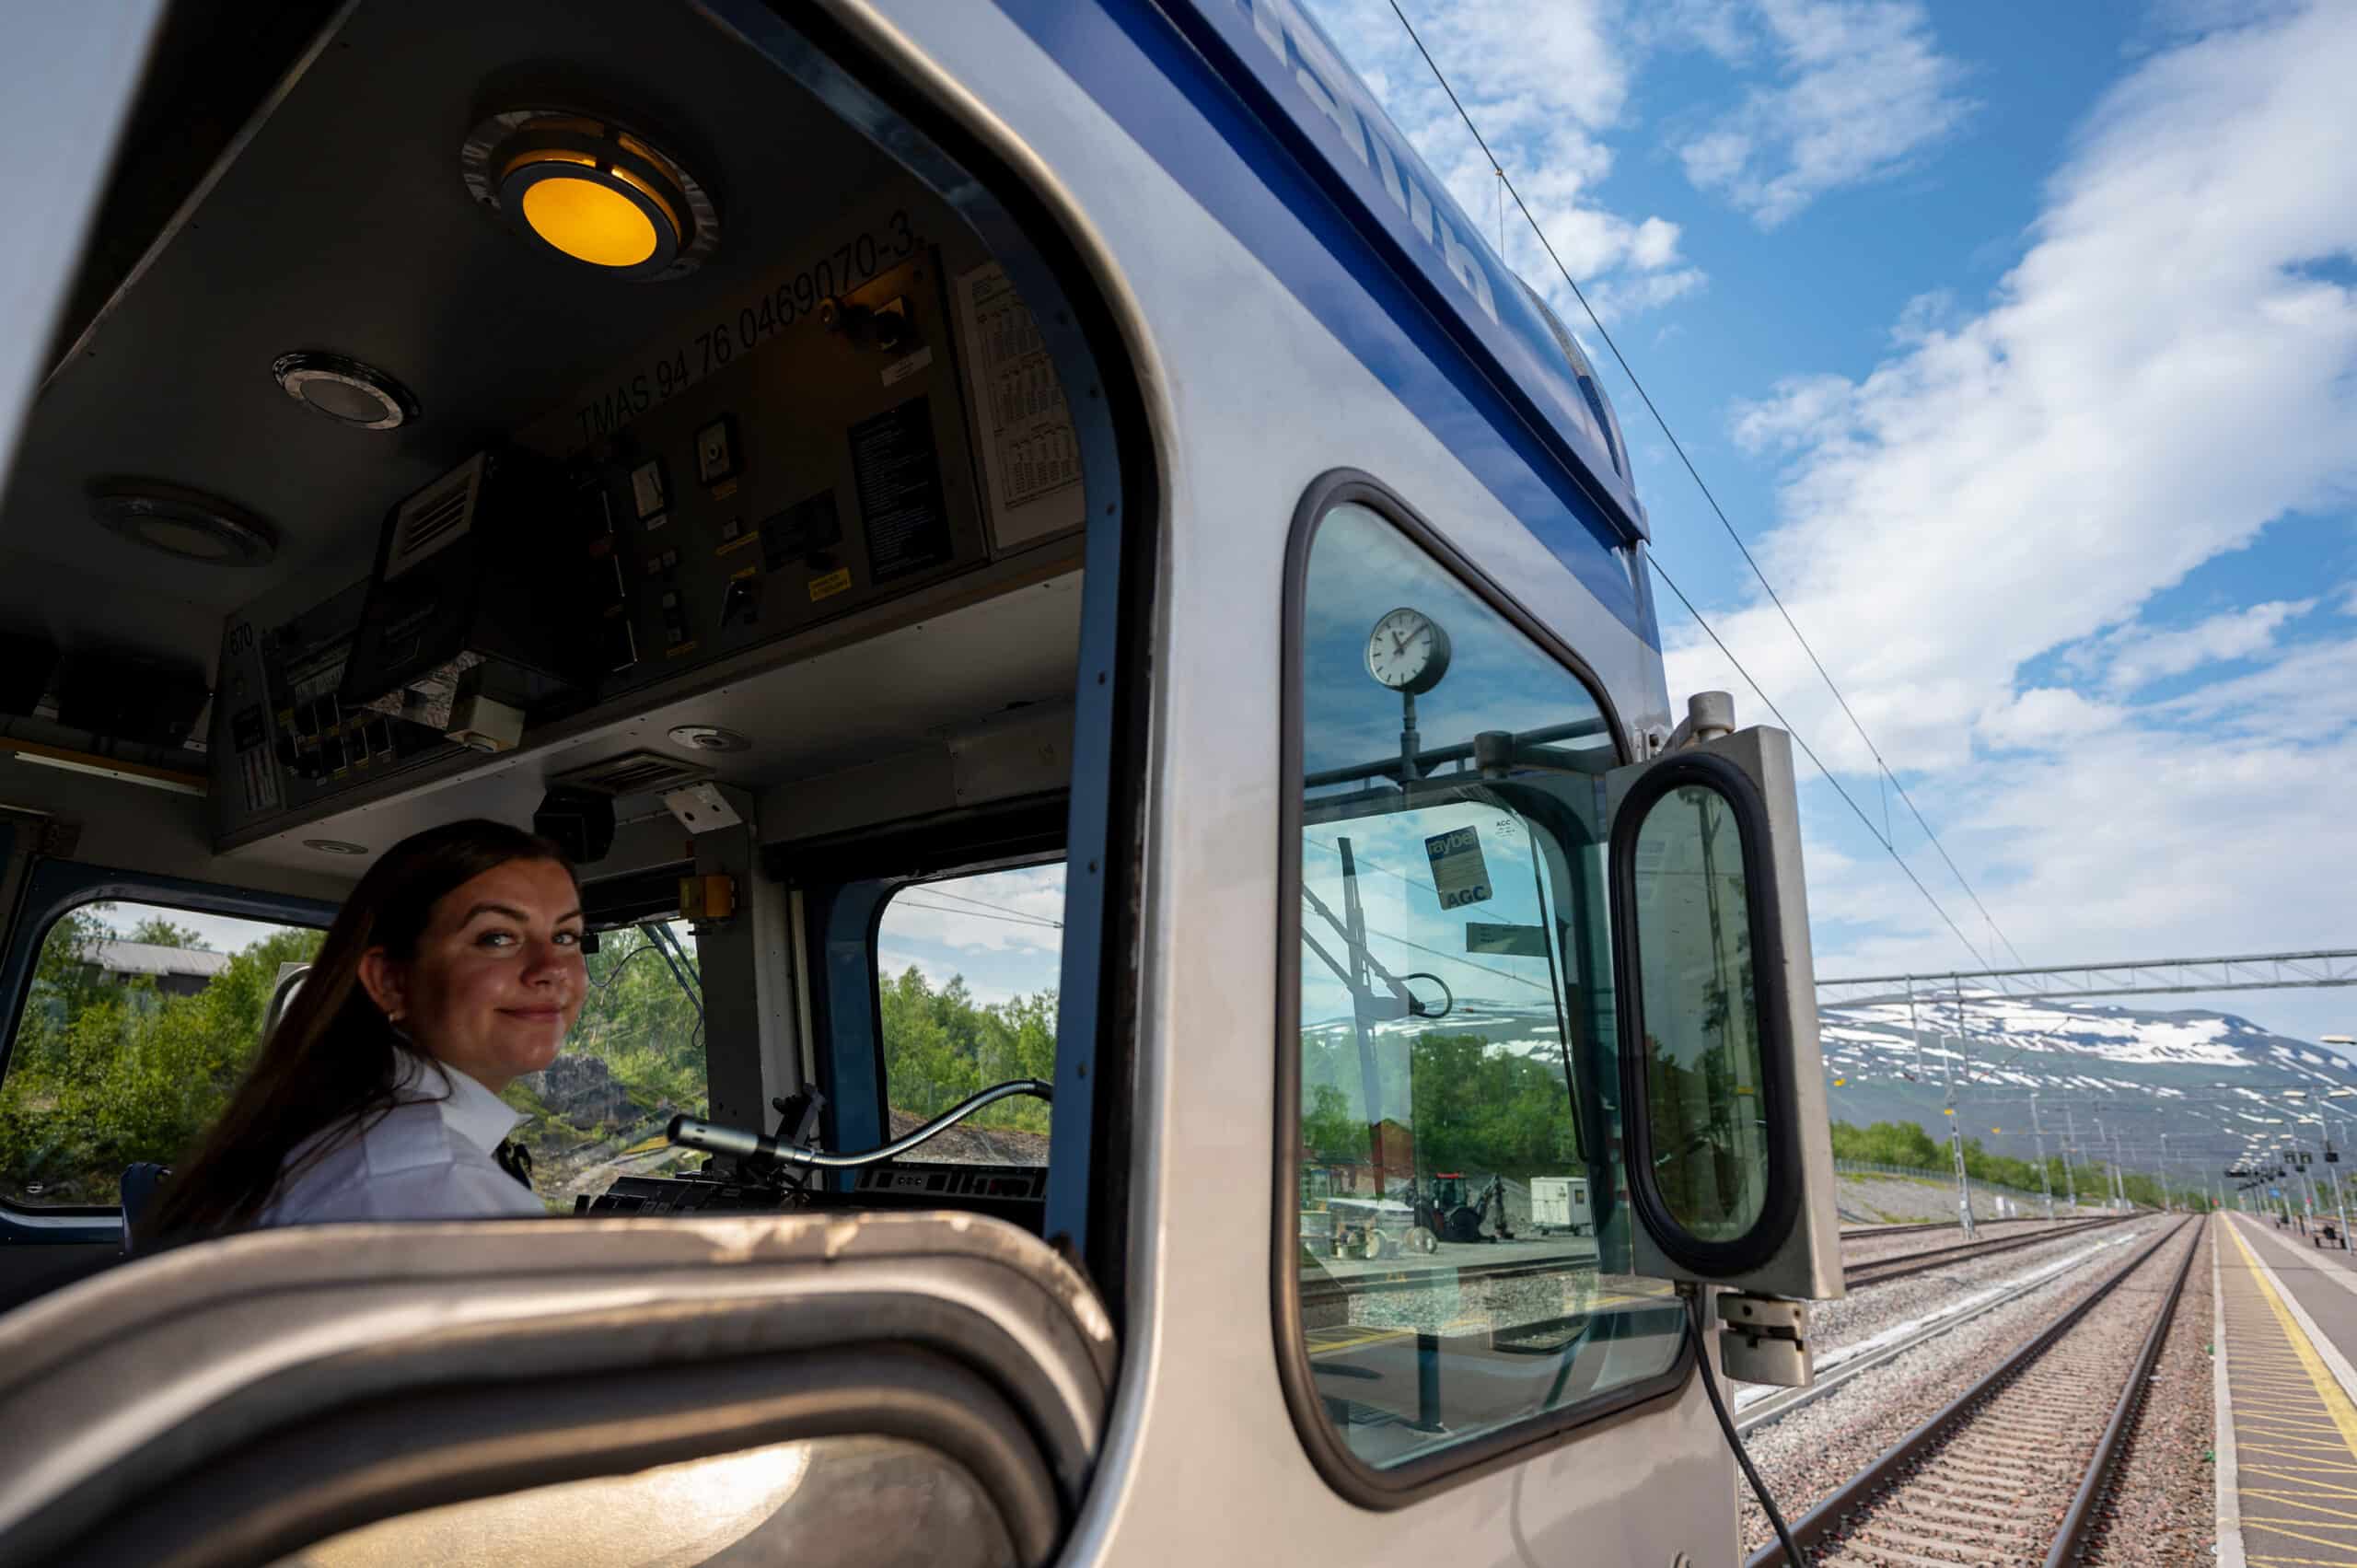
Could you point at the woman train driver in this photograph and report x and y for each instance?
(453, 968)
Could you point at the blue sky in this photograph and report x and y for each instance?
(2017, 342)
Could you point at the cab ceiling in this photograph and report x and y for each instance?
(340, 224)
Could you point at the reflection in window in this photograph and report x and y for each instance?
(1465, 1254)
(1703, 1099)
(965, 974)
(830, 1502)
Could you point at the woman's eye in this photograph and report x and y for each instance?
(496, 938)
(568, 938)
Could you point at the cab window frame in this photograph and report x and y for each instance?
(1456, 1464)
(846, 882)
(55, 888)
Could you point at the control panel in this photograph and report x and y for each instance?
(676, 1195)
(282, 738)
(1012, 1193)
(870, 419)
(799, 477)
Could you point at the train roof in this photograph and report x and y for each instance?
(1278, 59)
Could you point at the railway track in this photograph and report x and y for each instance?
(1867, 1232)
(1875, 1270)
(2011, 1470)
(1465, 1271)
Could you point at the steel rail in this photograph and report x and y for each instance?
(1875, 1270)
(2086, 1507)
(1847, 1498)
(1435, 1276)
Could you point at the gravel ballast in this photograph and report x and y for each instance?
(1806, 1455)
(2164, 1505)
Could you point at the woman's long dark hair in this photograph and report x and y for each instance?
(333, 1059)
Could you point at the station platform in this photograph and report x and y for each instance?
(2287, 1398)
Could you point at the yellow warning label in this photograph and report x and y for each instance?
(739, 543)
(723, 491)
(743, 572)
(833, 582)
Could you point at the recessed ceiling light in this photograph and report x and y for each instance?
(335, 847)
(182, 522)
(709, 738)
(345, 390)
(592, 192)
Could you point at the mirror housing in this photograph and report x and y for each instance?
(1737, 1021)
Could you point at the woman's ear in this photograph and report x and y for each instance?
(386, 981)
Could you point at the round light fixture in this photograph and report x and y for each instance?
(345, 390)
(709, 738)
(189, 524)
(335, 847)
(592, 192)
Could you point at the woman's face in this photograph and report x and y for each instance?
(498, 977)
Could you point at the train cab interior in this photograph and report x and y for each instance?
(607, 421)
(631, 422)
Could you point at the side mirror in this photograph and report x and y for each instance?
(1725, 1134)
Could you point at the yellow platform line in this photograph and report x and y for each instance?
(2327, 1387)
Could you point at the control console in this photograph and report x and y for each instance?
(1016, 1193)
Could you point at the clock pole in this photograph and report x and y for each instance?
(1411, 744)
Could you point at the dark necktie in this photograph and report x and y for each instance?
(515, 1160)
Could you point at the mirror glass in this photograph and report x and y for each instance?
(1705, 1100)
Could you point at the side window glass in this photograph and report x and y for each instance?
(1704, 1094)
(635, 1059)
(139, 1022)
(965, 976)
(1463, 1249)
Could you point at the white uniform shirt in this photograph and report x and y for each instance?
(427, 1158)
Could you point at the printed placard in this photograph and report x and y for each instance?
(1506, 941)
(1460, 873)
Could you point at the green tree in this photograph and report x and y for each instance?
(103, 1075)
(162, 932)
(941, 1046)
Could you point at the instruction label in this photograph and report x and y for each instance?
(1030, 453)
(1460, 873)
(1507, 941)
(900, 490)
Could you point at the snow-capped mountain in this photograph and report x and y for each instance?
(2212, 1082)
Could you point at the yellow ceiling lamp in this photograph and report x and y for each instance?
(590, 190)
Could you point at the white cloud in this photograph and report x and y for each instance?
(2154, 381)
(1862, 89)
(2044, 718)
(2164, 373)
(2133, 656)
(1544, 83)
(995, 911)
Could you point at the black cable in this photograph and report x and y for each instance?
(1793, 1553)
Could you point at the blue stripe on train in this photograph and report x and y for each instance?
(1391, 311)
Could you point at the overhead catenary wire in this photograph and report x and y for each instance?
(934, 891)
(1027, 920)
(1712, 499)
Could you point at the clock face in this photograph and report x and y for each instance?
(1407, 651)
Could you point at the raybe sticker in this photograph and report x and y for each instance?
(1459, 874)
